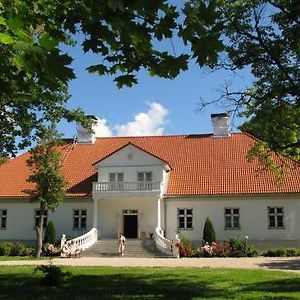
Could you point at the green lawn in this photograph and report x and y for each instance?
(151, 283)
(5, 258)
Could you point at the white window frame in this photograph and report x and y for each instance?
(232, 216)
(118, 182)
(117, 177)
(3, 219)
(185, 217)
(144, 184)
(37, 216)
(80, 217)
(276, 214)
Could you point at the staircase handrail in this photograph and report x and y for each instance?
(86, 240)
(163, 244)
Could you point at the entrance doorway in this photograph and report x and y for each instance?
(130, 224)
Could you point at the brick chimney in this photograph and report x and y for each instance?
(220, 123)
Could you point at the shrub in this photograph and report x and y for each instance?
(50, 233)
(290, 252)
(282, 252)
(53, 275)
(18, 249)
(241, 248)
(5, 249)
(50, 250)
(186, 248)
(209, 234)
(222, 249)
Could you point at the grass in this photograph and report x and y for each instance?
(151, 283)
(5, 258)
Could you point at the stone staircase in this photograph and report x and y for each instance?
(134, 248)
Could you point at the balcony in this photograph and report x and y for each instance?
(126, 188)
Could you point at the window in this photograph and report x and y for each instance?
(79, 218)
(185, 218)
(275, 217)
(232, 218)
(144, 180)
(37, 217)
(116, 181)
(116, 177)
(3, 218)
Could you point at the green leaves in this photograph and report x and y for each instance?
(125, 80)
(202, 29)
(206, 50)
(100, 69)
(47, 42)
(6, 39)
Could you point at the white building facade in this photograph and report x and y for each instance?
(157, 187)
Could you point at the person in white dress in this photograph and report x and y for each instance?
(121, 244)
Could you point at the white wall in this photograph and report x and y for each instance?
(110, 215)
(253, 217)
(20, 219)
(130, 160)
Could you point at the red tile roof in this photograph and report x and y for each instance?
(201, 165)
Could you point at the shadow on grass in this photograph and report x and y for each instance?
(293, 264)
(153, 284)
(291, 285)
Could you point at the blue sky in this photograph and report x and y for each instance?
(172, 104)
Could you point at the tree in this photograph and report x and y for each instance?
(50, 233)
(49, 191)
(35, 73)
(209, 234)
(125, 34)
(129, 36)
(263, 36)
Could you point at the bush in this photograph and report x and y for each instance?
(54, 276)
(186, 248)
(5, 249)
(282, 252)
(18, 249)
(209, 235)
(50, 250)
(50, 233)
(241, 248)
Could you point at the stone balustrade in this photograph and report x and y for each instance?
(163, 244)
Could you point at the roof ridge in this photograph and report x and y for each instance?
(160, 136)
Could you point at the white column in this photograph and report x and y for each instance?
(159, 213)
(95, 213)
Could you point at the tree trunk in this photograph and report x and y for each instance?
(39, 231)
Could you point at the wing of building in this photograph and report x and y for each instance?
(163, 184)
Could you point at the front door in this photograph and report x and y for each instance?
(131, 226)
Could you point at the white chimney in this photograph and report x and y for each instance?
(97, 129)
(86, 135)
(220, 123)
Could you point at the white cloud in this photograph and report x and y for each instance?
(145, 123)
(102, 129)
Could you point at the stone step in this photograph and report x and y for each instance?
(134, 248)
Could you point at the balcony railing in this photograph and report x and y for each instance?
(126, 186)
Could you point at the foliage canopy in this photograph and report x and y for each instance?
(131, 35)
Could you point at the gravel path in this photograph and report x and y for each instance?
(283, 264)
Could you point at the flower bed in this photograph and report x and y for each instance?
(237, 247)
